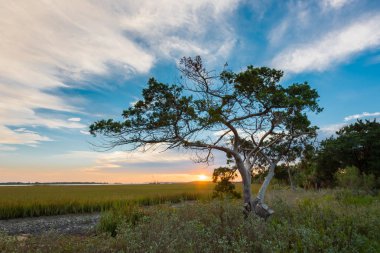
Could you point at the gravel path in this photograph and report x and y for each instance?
(63, 224)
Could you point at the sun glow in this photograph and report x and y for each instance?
(203, 178)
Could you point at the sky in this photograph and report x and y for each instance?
(65, 64)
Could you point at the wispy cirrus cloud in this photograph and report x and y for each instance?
(362, 115)
(297, 16)
(328, 130)
(334, 4)
(137, 156)
(74, 119)
(334, 47)
(151, 159)
(20, 136)
(45, 43)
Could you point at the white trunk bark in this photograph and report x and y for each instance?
(257, 206)
(246, 180)
(264, 186)
(247, 192)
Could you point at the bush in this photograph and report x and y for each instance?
(348, 177)
(112, 219)
(351, 178)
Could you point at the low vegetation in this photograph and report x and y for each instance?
(305, 221)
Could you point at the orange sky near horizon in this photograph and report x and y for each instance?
(72, 175)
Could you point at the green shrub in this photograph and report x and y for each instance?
(368, 182)
(112, 219)
(351, 178)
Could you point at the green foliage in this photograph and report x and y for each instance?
(224, 187)
(351, 178)
(306, 221)
(348, 177)
(306, 176)
(354, 198)
(354, 145)
(369, 182)
(127, 214)
(282, 173)
(171, 115)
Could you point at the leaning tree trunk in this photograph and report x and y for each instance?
(247, 191)
(258, 205)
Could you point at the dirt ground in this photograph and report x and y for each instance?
(63, 224)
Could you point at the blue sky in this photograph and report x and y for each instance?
(64, 65)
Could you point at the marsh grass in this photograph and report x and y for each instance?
(31, 201)
(305, 221)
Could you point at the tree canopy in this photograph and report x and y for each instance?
(356, 145)
(248, 115)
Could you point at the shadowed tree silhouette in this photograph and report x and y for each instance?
(224, 187)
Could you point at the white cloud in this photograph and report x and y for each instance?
(276, 34)
(362, 115)
(334, 4)
(74, 119)
(84, 132)
(137, 156)
(334, 47)
(117, 159)
(329, 130)
(298, 17)
(45, 43)
(20, 136)
(195, 24)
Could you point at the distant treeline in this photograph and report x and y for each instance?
(44, 183)
(350, 158)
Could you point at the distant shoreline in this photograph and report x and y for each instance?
(90, 183)
(50, 183)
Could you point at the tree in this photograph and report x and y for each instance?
(306, 175)
(223, 176)
(242, 114)
(354, 145)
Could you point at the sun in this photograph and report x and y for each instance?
(203, 178)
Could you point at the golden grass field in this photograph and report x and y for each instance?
(29, 201)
